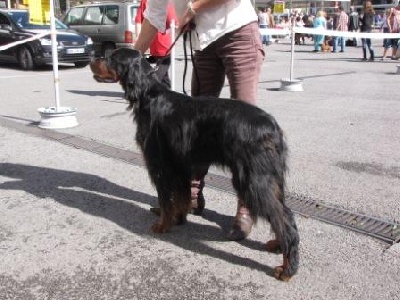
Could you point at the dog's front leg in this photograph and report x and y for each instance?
(163, 223)
(166, 210)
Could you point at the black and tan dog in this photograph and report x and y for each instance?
(177, 133)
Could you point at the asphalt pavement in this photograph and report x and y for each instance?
(75, 221)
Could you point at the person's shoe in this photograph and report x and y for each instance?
(371, 59)
(242, 225)
(341, 51)
(198, 205)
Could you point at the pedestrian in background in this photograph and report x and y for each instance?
(394, 27)
(387, 43)
(319, 23)
(263, 24)
(367, 20)
(353, 23)
(341, 25)
(270, 23)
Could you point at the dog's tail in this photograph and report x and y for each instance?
(262, 190)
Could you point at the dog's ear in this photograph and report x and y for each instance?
(140, 72)
(137, 80)
(121, 59)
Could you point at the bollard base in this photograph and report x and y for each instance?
(51, 118)
(294, 85)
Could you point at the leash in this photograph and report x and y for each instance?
(185, 34)
(173, 44)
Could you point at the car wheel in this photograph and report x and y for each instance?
(25, 59)
(107, 50)
(81, 64)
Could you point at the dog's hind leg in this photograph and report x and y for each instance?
(264, 197)
(287, 240)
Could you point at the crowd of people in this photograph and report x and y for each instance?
(364, 19)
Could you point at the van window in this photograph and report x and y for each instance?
(133, 13)
(74, 16)
(93, 16)
(111, 14)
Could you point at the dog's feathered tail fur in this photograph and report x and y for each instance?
(177, 133)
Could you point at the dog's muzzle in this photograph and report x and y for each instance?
(101, 72)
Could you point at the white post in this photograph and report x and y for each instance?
(54, 54)
(172, 27)
(56, 117)
(292, 53)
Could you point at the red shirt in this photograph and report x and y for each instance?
(161, 43)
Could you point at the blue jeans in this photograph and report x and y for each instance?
(264, 37)
(339, 40)
(366, 43)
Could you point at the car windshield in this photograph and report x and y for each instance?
(21, 18)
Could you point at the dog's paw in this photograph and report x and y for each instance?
(273, 246)
(279, 274)
(180, 220)
(156, 210)
(158, 228)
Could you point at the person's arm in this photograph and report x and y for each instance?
(147, 33)
(153, 22)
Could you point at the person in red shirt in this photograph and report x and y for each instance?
(160, 45)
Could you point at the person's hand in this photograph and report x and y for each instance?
(185, 23)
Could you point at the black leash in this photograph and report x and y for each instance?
(185, 33)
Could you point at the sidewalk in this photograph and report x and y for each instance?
(75, 224)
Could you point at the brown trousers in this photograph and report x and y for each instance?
(238, 55)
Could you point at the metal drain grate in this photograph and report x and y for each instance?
(383, 230)
(380, 229)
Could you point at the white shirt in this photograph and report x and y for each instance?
(262, 18)
(210, 25)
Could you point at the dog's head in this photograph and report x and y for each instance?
(127, 66)
(113, 68)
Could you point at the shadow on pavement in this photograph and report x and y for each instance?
(100, 197)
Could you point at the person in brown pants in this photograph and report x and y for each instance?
(238, 55)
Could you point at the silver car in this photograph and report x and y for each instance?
(111, 25)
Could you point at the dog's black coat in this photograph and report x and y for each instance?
(176, 132)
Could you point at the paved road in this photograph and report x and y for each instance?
(75, 224)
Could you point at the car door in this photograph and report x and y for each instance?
(6, 37)
(9, 33)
